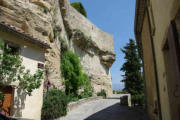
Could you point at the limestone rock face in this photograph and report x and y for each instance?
(31, 17)
(94, 47)
(39, 18)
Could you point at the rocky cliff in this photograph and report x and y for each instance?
(39, 18)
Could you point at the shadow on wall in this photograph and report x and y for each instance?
(19, 102)
(118, 112)
(82, 54)
(33, 54)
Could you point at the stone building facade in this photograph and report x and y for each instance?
(32, 52)
(157, 32)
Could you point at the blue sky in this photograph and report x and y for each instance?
(117, 18)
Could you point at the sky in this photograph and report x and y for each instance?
(117, 18)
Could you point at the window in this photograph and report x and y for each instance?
(11, 49)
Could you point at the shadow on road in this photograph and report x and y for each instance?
(118, 112)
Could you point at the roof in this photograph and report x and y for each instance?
(24, 35)
(139, 18)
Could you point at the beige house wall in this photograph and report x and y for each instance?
(27, 106)
(163, 12)
(148, 63)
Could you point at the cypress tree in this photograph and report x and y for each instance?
(132, 78)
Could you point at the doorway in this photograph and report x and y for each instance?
(8, 100)
(171, 52)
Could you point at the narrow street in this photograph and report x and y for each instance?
(104, 109)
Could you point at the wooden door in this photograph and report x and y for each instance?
(8, 99)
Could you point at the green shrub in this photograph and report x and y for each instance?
(71, 71)
(138, 100)
(102, 93)
(74, 76)
(56, 31)
(79, 7)
(62, 40)
(87, 86)
(54, 105)
(73, 98)
(45, 9)
(121, 92)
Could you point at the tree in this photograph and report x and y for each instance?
(133, 79)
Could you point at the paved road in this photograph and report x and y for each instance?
(104, 109)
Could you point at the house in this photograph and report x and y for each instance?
(32, 51)
(157, 31)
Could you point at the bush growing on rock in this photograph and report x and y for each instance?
(54, 105)
(73, 75)
(79, 7)
(71, 71)
(102, 93)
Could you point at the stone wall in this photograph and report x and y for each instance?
(96, 53)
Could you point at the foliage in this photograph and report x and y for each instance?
(87, 87)
(102, 93)
(121, 92)
(63, 41)
(1, 97)
(138, 99)
(11, 70)
(83, 34)
(79, 7)
(56, 31)
(133, 77)
(54, 105)
(30, 82)
(73, 75)
(45, 10)
(71, 71)
(72, 97)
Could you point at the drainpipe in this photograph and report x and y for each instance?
(155, 63)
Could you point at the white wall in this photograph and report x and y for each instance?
(27, 106)
(31, 108)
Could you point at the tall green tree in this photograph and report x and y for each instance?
(133, 79)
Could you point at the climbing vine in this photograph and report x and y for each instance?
(12, 70)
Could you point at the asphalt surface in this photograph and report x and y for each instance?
(105, 109)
